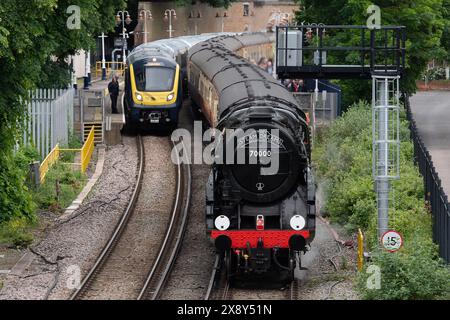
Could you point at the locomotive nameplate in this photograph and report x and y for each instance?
(261, 138)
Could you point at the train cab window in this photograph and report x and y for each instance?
(155, 79)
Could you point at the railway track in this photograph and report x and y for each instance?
(171, 246)
(219, 287)
(153, 272)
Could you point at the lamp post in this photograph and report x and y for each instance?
(280, 18)
(120, 18)
(143, 16)
(87, 70)
(222, 16)
(193, 16)
(103, 36)
(168, 14)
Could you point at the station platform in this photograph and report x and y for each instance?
(431, 112)
(92, 108)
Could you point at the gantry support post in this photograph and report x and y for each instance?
(386, 142)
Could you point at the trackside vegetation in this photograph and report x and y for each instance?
(343, 162)
(34, 45)
(62, 185)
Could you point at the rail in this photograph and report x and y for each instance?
(110, 67)
(219, 287)
(86, 155)
(434, 193)
(162, 267)
(120, 227)
(213, 280)
(87, 150)
(49, 161)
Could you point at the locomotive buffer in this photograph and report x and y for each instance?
(310, 52)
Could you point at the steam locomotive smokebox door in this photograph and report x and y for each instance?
(270, 168)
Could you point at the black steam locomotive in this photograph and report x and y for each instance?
(261, 219)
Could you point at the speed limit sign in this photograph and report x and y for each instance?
(392, 240)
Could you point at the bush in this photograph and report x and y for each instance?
(437, 73)
(16, 232)
(15, 198)
(343, 161)
(413, 273)
(70, 184)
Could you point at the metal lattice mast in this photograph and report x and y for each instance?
(386, 142)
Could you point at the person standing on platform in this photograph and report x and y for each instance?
(113, 88)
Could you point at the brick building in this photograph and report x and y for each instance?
(201, 18)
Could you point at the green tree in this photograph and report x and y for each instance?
(423, 19)
(445, 40)
(34, 43)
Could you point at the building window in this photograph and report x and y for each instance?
(246, 9)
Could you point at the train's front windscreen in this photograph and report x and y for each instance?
(155, 79)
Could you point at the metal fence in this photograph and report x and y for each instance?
(325, 110)
(434, 193)
(50, 119)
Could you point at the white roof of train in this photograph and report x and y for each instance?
(170, 48)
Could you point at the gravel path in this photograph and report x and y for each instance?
(125, 271)
(331, 268)
(73, 245)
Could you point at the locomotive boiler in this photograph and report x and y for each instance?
(260, 219)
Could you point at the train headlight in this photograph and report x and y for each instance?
(298, 223)
(170, 97)
(222, 223)
(139, 97)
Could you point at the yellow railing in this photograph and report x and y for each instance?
(50, 160)
(87, 150)
(360, 250)
(118, 67)
(86, 154)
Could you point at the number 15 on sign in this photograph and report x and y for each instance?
(392, 241)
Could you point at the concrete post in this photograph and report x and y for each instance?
(35, 173)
